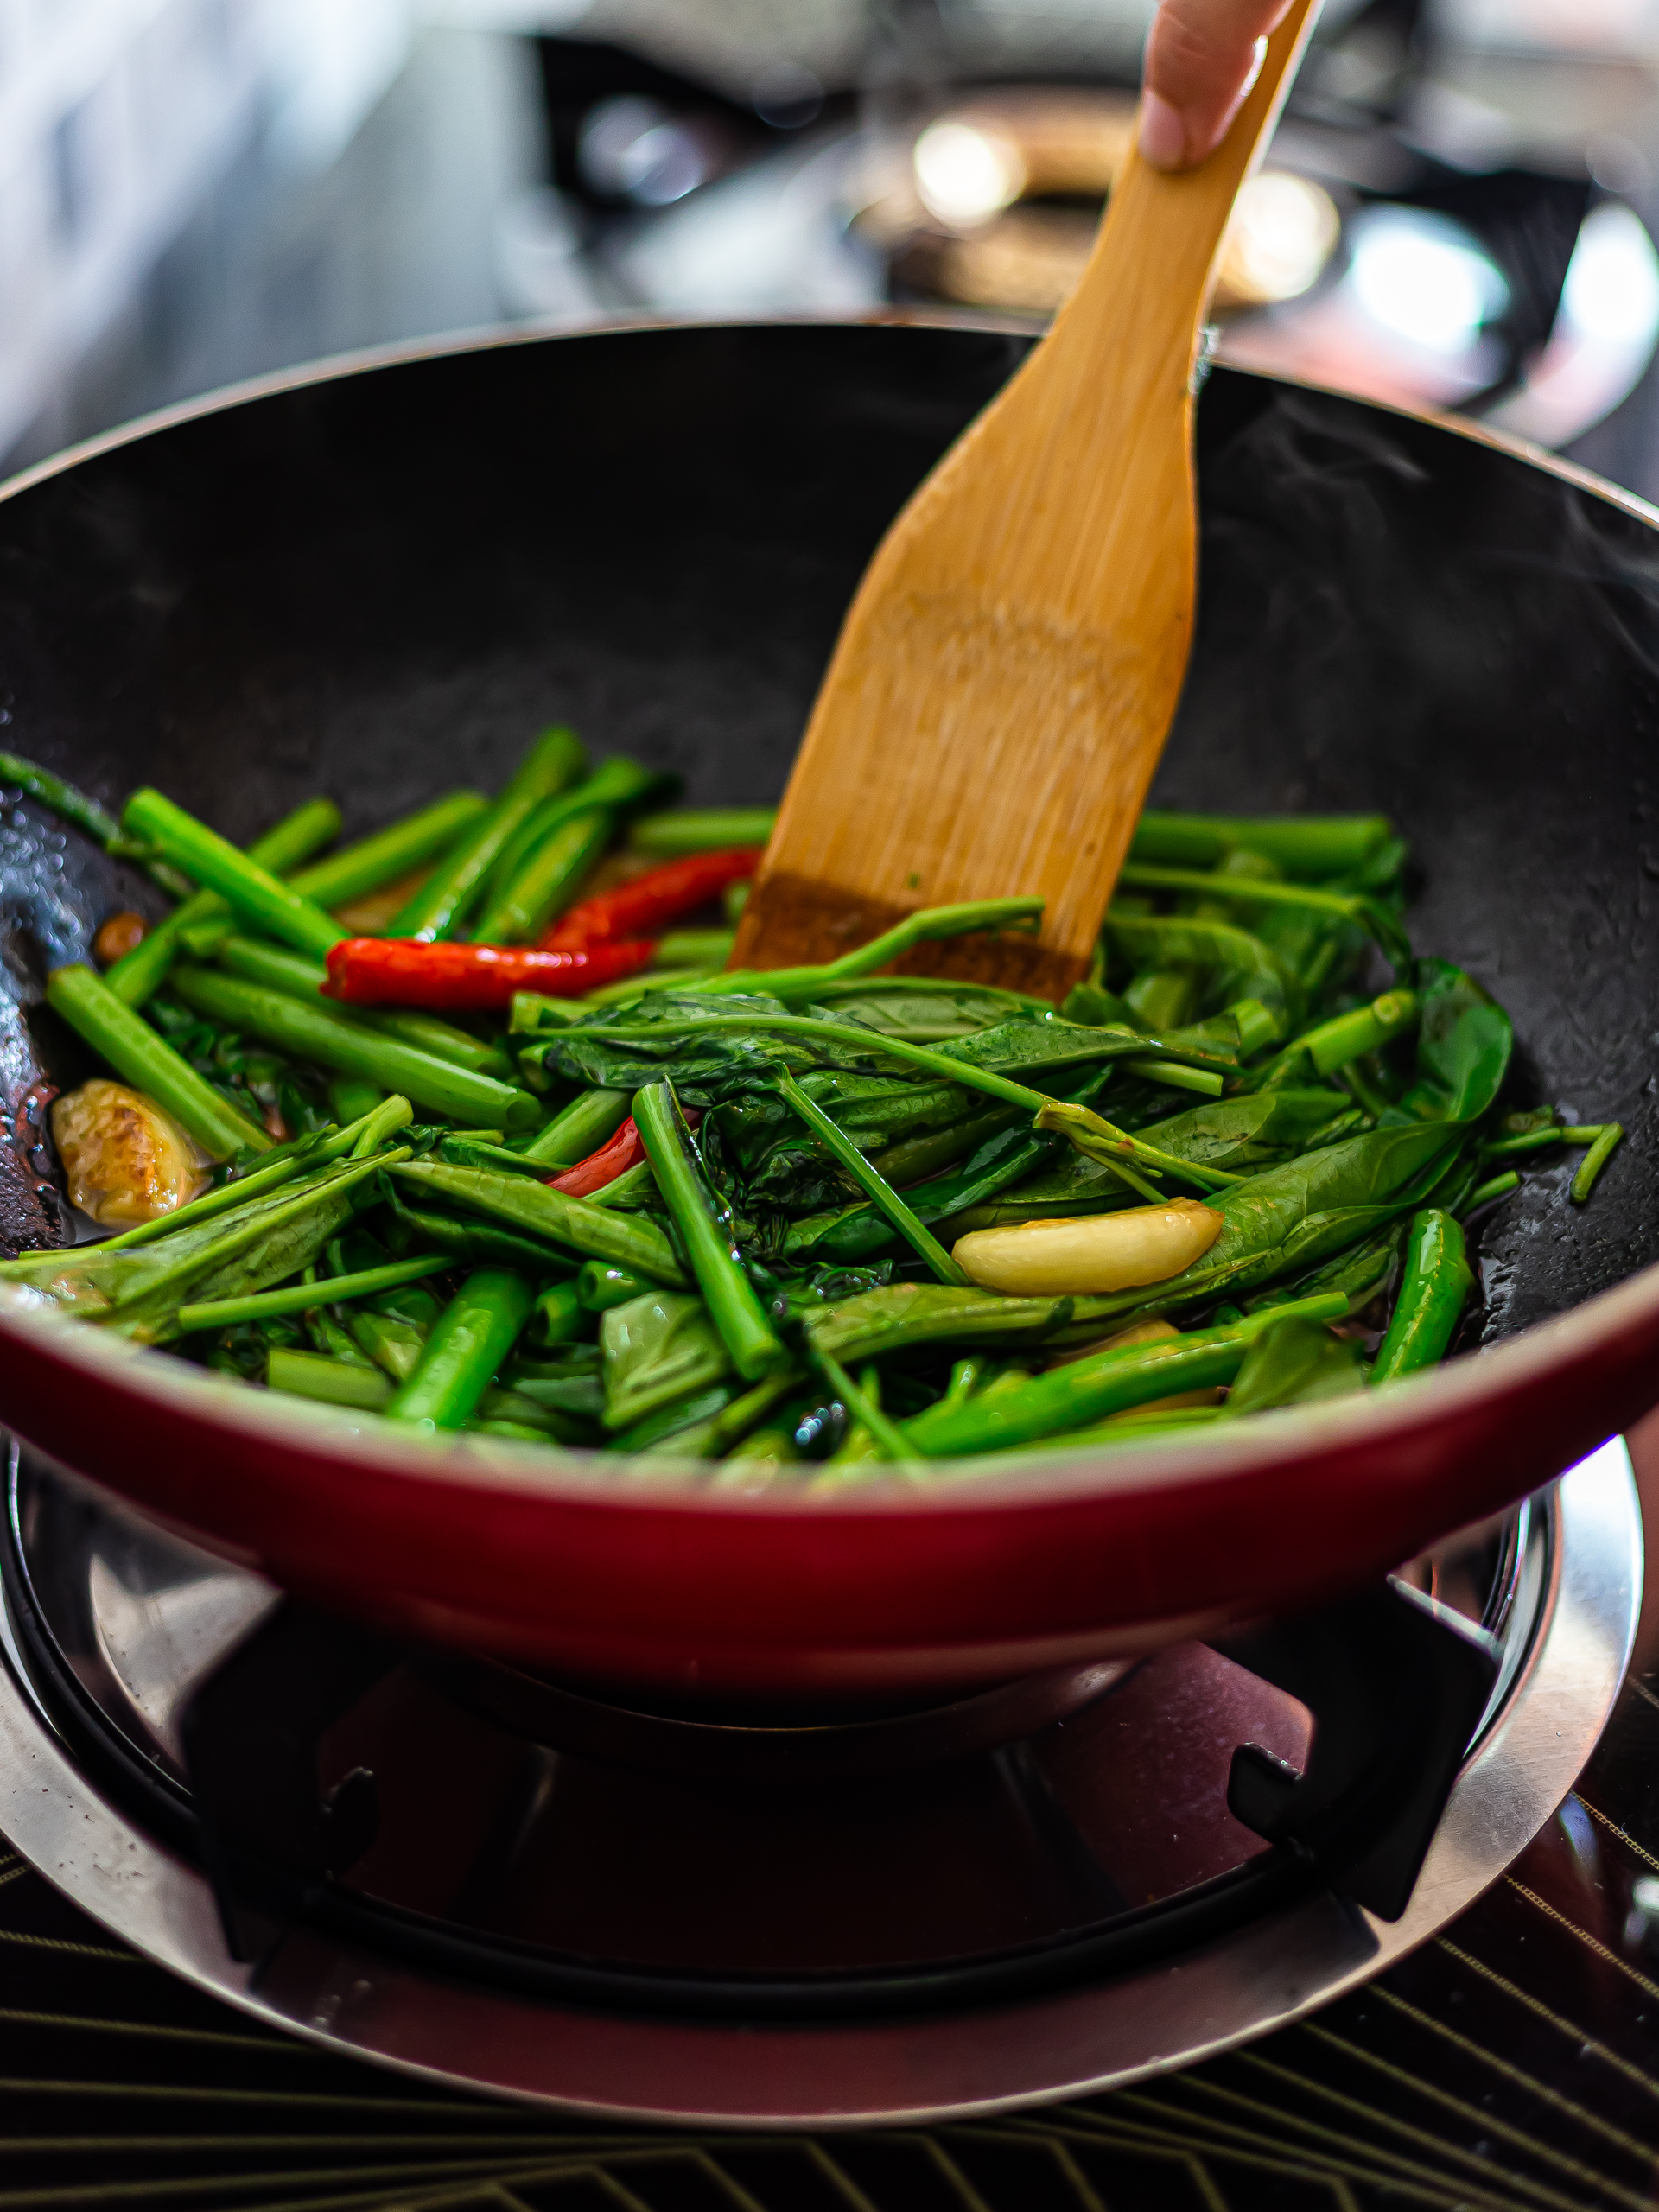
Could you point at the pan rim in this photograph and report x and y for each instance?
(997, 1484)
(330, 368)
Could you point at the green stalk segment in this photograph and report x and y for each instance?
(248, 889)
(1333, 1044)
(874, 1187)
(587, 1122)
(1304, 845)
(543, 884)
(312, 1032)
(890, 1441)
(1602, 1141)
(926, 926)
(1535, 1140)
(1432, 1293)
(441, 905)
(1350, 907)
(556, 847)
(1209, 1082)
(138, 973)
(1495, 1187)
(1099, 1138)
(329, 1382)
(658, 979)
(1087, 1391)
(708, 830)
(694, 949)
(374, 863)
(601, 1285)
(73, 806)
(559, 1315)
(262, 1305)
(469, 1341)
(627, 1240)
(754, 1346)
(302, 979)
(132, 1048)
(615, 783)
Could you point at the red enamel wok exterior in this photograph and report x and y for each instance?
(592, 1567)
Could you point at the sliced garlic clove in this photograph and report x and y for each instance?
(125, 1157)
(1088, 1253)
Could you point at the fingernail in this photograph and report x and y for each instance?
(1163, 134)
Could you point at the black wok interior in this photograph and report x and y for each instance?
(380, 584)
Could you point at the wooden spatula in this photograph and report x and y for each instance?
(1009, 667)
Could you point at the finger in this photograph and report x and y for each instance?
(1202, 58)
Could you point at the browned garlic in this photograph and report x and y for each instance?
(125, 1159)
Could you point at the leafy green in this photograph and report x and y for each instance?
(707, 1066)
(1465, 1040)
(1292, 1362)
(927, 1009)
(656, 1349)
(928, 1313)
(1238, 963)
(1293, 1216)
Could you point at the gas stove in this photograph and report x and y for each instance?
(561, 1893)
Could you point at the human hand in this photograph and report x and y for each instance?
(1202, 58)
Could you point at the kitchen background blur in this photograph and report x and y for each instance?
(1457, 210)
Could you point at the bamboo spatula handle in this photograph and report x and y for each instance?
(1007, 671)
(1154, 266)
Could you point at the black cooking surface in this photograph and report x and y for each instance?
(1514, 2062)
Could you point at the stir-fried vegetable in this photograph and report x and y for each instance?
(806, 1222)
(125, 1159)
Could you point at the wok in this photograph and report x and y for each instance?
(377, 579)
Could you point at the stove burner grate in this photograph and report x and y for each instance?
(453, 1822)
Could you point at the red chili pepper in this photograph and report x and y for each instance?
(645, 906)
(450, 978)
(613, 1158)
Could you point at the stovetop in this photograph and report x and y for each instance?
(1500, 2063)
(1510, 2063)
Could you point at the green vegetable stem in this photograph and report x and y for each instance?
(147, 1061)
(1306, 845)
(472, 1338)
(521, 1202)
(138, 973)
(262, 1305)
(74, 806)
(589, 1121)
(248, 889)
(374, 863)
(330, 1382)
(555, 849)
(303, 979)
(440, 907)
(670, 836)
(335, 1039)
(927, 925)
(881, 1194)
(705, 1233)
(1086, 1390)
